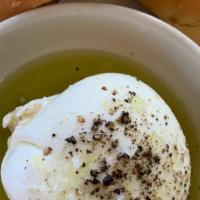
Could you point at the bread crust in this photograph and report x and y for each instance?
(192, 31)
(183, 14)
(10, 8)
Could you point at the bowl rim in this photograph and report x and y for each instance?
(119, 11)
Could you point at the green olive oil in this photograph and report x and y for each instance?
(53, 73)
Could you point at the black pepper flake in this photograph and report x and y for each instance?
(115, 143)
(114, 92)
(97, 137)
(53, 135)
(139, 171)
(96, 190)
(70, 153)
(139, 149)
(83, 165)
(96, 123)
(110, 125)
(88, 151)
(124, 118)
(147, 154)
(104, 88)
(122, 156)
(117, 191)
(71, 140)
(126, 100)
(156, 159)
(93, 181)
(118, 174)
(87, 181)
(108, 180)
(104, 165)
(165, 117)
(113, 99)
(132, 93)
(94, 173)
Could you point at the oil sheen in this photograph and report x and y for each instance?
(53, 73)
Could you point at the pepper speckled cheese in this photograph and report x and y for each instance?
(108, 136)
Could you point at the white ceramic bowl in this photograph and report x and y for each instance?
(164, 50)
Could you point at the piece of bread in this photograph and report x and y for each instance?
(183, 14)
(10, 8)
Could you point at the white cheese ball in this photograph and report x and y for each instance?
(108, 136)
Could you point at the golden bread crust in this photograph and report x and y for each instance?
(10, 8)
(183, 14)
(192, 31)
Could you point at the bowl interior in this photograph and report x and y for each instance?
(167, 53)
